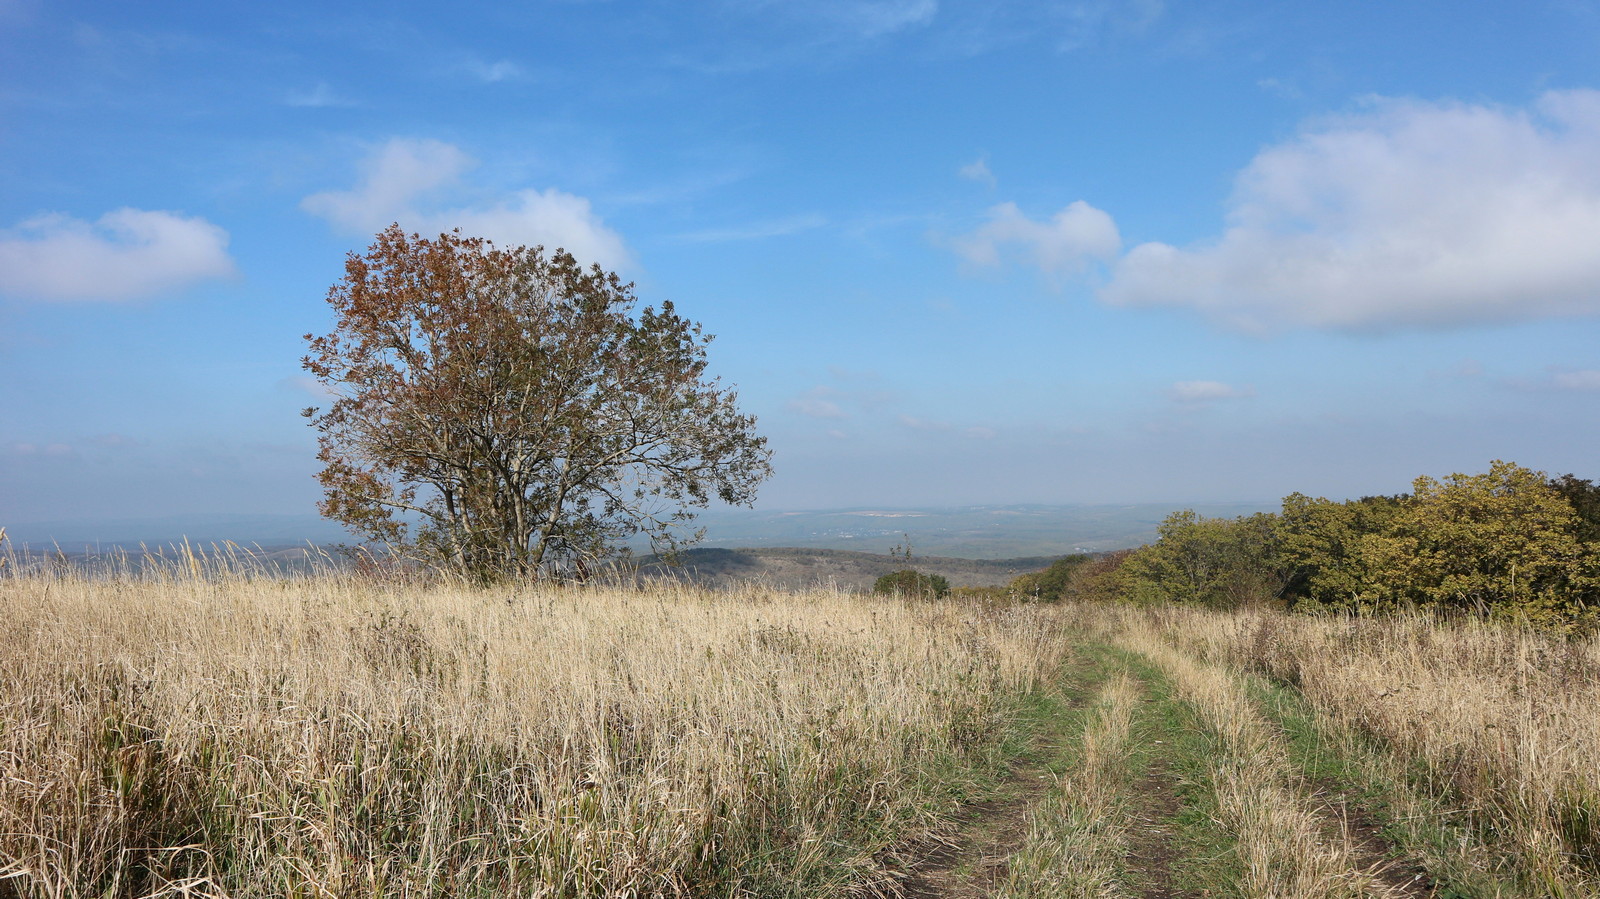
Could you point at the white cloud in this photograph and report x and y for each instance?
(403, 174)
(126, 254)
(1408, 214)
(1065, 243)
(978, 170)
(1587, 380)
(1206, 391)
(392, 179)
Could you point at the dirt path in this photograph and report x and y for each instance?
(1152, 848)
(972, 860)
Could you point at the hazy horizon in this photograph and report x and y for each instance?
(979, 531)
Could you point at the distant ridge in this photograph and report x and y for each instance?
(799, 569)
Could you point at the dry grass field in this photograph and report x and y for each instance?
(259, 737)
(242, 736)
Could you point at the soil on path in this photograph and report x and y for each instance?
(970, 861)
(1152, 847)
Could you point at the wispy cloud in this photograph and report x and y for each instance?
(1405, 215)
(1088, 22)
(406, 181)
(114, 441)
(494, 72)
(1585, 380)
(125, 254)
(937, 426)
(306, 385)
(849, 394)
(978, 170)
(319, 96)
(41, 450)
(818, 402)
(867, 19)
(1280, 88)
(1202, 392)
(923, 424)
(805, 32)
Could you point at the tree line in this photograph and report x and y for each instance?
(1510, 543)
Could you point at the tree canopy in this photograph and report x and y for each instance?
(507, 412)
(1509, 542)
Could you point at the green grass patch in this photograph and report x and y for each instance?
(1173, 748)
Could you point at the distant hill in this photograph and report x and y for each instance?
(792, 568)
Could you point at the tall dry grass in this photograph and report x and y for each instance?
(1502, 722)
(328, 737)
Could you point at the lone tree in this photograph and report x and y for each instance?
(512, 411)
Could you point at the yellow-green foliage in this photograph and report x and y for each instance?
(1222, 562)
(335, 738)
(1322, 543)
(1504, 542)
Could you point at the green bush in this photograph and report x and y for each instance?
(1050, 585)
(910, 582)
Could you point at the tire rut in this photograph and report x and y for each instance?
(972, 860)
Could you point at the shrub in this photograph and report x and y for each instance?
(1050, 584)
(910, 582)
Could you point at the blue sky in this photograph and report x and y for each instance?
(953, 252)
